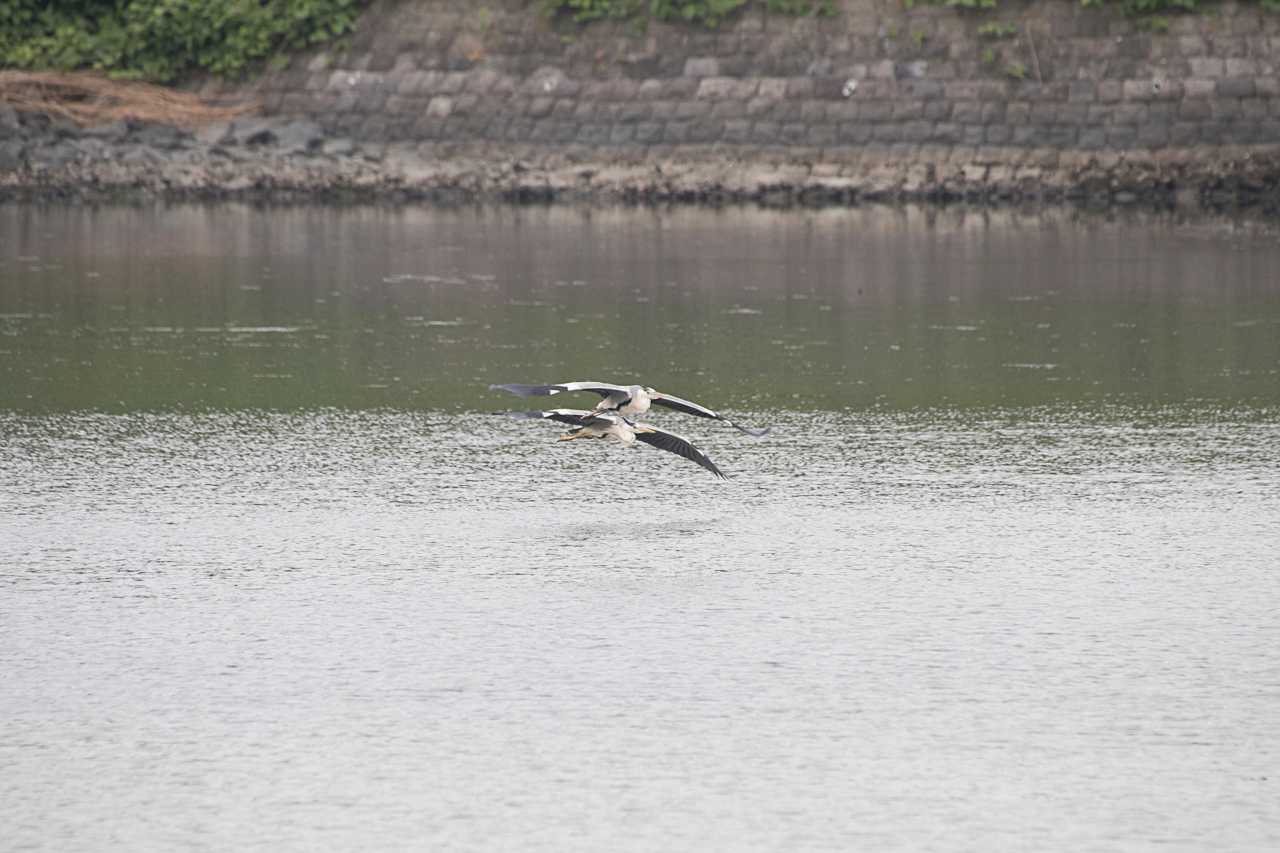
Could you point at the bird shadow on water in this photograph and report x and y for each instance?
(630, 530)
(572, 551)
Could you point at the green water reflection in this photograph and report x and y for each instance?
(237, 307)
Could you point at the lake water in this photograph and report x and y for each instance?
(1006, 575)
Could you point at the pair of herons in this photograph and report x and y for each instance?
(613, 418)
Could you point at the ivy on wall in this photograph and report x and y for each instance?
(160, 40)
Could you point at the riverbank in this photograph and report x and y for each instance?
(283, 159)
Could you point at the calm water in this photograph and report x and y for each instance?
(1005, 576)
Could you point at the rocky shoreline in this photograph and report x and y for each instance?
(283, 159)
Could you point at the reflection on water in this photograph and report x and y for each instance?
(1002, 578)
(411, 308)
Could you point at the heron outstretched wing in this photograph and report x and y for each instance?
(577, 417)
(691, 408)
(673, 443)
(604, 389)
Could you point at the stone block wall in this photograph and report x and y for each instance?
(1052, 75)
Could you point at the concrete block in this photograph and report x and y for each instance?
(737, 131)
(999, 135)
(1075, 114)
(716, 88)
(765, 132)
(1121, 136)
(798, 110)
(1236, 87)
(822, 135)
(705, 130)
(1153, 135)
(923, 89)
(876, 111)
(793, 133)
(1082, 91)
(853, 133)
(1241, 67)
(705, 66)
(1195, 110)
(1130, 113)
(1092, 138)
(993, 112)
(1110, 91)
(908, 109)
(1184, 133)
(1199, 88)
(1207, 67)
(938, 110)
(648, 132)
(773, 88)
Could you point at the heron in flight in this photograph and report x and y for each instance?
(627, 400)
(615, 427)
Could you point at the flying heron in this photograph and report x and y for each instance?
(627, 400)
(615, 427)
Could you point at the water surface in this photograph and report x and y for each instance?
(1003, 578)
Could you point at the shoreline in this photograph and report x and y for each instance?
(294, 160)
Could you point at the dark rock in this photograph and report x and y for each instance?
(116, 131)
(10, 125)
(300, 136)
(141, 155)
(160, 136)
(64, 128)
(341, 147)
(12, 155)
(253, 131)
(217, 133)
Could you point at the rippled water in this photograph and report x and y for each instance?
(1004, 577)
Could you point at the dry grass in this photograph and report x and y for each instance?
(87, 99)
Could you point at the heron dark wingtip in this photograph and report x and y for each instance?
(754, 433)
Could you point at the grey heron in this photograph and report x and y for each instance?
(614, 427)
(627, 400)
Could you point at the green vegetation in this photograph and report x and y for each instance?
(160, 40)
(1016, 70)
(997, 30)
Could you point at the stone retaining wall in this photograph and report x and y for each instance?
(440, 99)
(878, 75)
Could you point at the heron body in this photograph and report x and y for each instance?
(627, 400)
(616, 427)
(606, 426)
